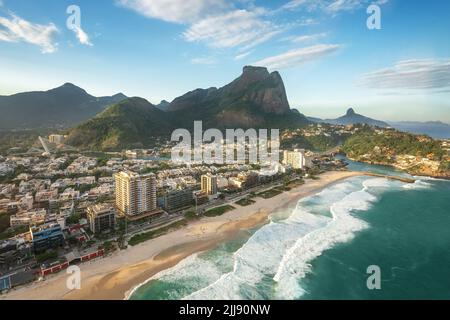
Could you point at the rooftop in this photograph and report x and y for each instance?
(130, 174)
(44, 227)
(100, 208)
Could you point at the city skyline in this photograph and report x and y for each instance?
(326, 55)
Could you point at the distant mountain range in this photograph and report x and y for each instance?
(434, 129)
(256, 99)
(61, 107)
(351, 117)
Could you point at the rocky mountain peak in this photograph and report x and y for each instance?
(255, 87)
(255, 73)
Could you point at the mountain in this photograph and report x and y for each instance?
(256, 99)
(351, 117)
(131, 123)
(434, 129)
(61, 107)
(316, 120)
(163, 105)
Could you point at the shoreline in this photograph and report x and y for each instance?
(392, 166)
(115, 277)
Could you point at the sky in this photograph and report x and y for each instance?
(160, 49)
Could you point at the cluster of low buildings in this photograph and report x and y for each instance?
(65, 202)
(405, 162)
(318, 129)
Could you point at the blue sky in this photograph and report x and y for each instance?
(160, 49)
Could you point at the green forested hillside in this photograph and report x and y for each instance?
(132, 123)
(392, 143)
(61, 107)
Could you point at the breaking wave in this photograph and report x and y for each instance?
(271, 263)
(418, 184)
(281, 250)
(342, 228)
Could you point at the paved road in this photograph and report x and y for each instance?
(133, 229)
(237, 196)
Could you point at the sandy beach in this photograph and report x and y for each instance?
(110, 278)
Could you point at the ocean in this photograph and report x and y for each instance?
(322, 248)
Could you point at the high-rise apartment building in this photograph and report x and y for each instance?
(101, 217)
(176, 200)
(135, 194)
(209, 184)
(296, 159)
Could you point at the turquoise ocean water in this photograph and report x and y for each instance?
(321, 248)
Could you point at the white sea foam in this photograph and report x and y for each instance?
(295, 263)
(262, 253)
(188, 268)
(418, 184)
(194, 269)
(282, 250)
(429, 178)
(377, 183)
(260, 256)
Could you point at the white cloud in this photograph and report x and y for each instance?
(308, 38)
(238, 28)
(204, 60)
(16, 29)
(243, 55)
(416, 74)
(330, 6)
(216, 23)
(82, 36)
(344, 5)
(297, 56)
(179, 11)
(309, 5)
(307, 22)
